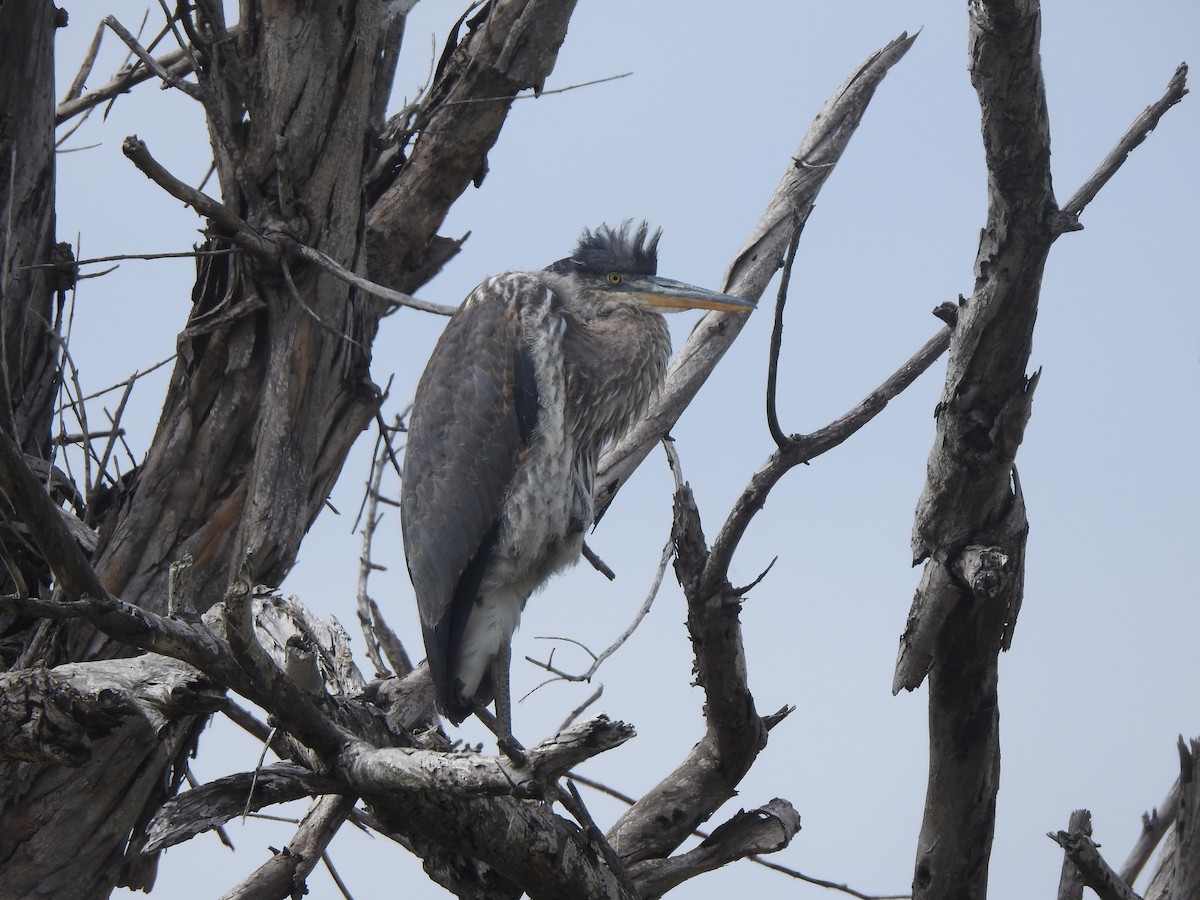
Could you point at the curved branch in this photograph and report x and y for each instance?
(753, 266)
(767, 829)
(176, 64)
(735, 733)
(399, 769)
(282, 876)
(802, 448)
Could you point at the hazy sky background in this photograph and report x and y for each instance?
(1104, 670)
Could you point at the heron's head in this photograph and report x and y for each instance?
(617, 267)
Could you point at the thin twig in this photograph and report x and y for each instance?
(307, 310)
(537, 94)
(102, 465)
(120, 435)
(579, 710)
(149, 61)
(777, 337)
(396, 298)
(183, 45)
(370, 521)
(262, 757)
(333, 873)
(120, 384)
(85, 68)
(65, 440)
(598, 659)
(181, 254)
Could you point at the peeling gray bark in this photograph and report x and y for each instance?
(970, 526)
(28, 348)
(264, 402)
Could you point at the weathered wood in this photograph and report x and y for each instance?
(1187, 822)
(28, 280)
(971, 497)
(1070, 883)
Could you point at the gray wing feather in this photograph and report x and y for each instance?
(469, 428)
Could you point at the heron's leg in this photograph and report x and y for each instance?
(501, 724)
(500, 688)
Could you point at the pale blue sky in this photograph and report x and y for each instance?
(1103, 672)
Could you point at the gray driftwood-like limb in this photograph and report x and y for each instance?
(213, 804)
(1134, 135)
(1082, 852)
(753, 266)
(54, 715)
(1162, 881)
(735, 733)
(769, 828)
(520, 843)
(1187, 822)
(1070, 881)
(390, 770)
(283, 875)
(512, 46)
(1155, 824)
(43, 719)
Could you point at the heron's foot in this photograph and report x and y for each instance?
(508, 744)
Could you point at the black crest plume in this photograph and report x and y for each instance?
(633, 251)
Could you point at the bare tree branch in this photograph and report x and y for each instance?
(799, 449)
(150, 62)
(764, 830)
(1134, 135)
(1070, 882)
(753, 266)
(213, 804)
(1096, 873)
(241, 233)
(283, 875)
(1155, 824)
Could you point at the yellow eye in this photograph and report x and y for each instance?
(614, 278)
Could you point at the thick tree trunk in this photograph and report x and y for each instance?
(28, 348)
(272, 383)
(970, 522)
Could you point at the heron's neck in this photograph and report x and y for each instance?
(614, 367)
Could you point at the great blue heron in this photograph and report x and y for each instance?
(533, 376)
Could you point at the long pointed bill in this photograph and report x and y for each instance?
(666, 295)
